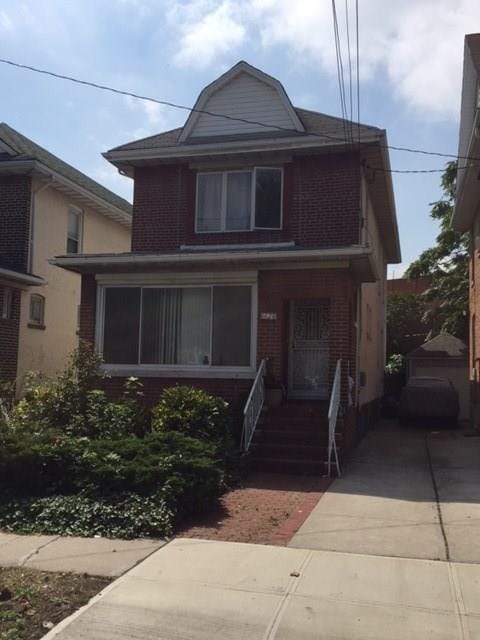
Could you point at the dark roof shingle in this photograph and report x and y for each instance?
(26, 149)
(314, 122)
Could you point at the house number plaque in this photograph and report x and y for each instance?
(268, 316)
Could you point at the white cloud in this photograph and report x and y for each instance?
(418, 44)
(6, 23)
(207, 31)
(154, 115)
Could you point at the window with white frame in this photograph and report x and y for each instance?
(239, 200)
(37, 310)
(74, 231)
(6, 308)
(193, 326)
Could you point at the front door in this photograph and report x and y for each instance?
(308, 349)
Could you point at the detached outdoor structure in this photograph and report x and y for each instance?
(444, 357)
(260, 245)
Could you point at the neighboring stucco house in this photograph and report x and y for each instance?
(262, 236)
(46, 207)
(466, 216)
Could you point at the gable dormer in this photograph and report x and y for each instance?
(243, 92)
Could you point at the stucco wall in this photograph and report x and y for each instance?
(372, 313)
(46, 350)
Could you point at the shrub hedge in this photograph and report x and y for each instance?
(73, 461)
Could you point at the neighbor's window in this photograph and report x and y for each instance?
(37, 310)
(199, 326)
(74, 229)
(6, 307)
(239, 200)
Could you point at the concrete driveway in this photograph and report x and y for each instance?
(407, 492)
(209, 590)
(390, 552)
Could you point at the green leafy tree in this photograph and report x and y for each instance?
(446, 264)
(406, 327)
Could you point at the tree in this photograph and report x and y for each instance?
(406, 327)
(446, 264)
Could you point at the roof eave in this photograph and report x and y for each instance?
(34, 166)
(22, 280)
(179, 152)
(360, 258)
(395, 255)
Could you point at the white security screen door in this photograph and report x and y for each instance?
(308, 349)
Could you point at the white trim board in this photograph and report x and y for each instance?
(172, 279)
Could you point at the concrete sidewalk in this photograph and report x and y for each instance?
(205, 590)
(95, 556)
(386, 502)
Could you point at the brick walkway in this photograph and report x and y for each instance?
(267, 509)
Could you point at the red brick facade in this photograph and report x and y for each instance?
(321, 204)
(15, 193)
(9, 331)
(276, 289)
(321, 209)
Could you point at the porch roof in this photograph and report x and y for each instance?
(358, 258)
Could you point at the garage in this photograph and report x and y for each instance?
(444, 356)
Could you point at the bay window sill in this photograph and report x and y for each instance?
(154, 371)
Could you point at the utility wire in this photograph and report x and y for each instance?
(367, 166)
(358, 68)
(347, 23)
(341, 81)
(225, 116)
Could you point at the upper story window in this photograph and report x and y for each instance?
(74, 231)
(6, 306)
(239, 200)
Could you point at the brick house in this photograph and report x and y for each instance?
(261, 236)
(466, 216)
(46, 207)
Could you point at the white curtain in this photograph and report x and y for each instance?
(209, 206)
(239, 200)
(161, 322)
(194, 346)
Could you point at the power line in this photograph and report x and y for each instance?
(358, 67)
(223, 115)
(341, 81)
(347, 23)
(367, 166)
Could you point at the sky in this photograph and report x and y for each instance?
(411, 55)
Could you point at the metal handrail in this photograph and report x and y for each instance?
(253, 406)
(332, 417)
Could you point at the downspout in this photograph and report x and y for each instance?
(31, 231)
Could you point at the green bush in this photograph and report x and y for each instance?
(184, 470)
(126, 516)
(195, 413)
(71, 403)
(74, 462)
